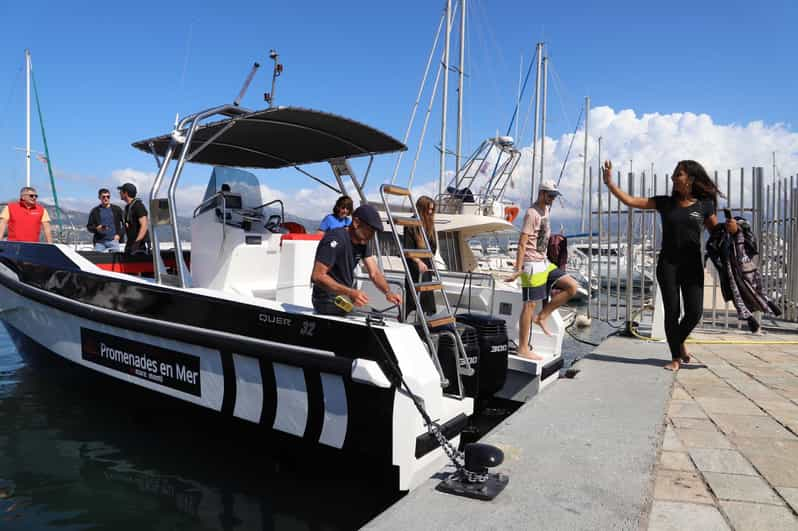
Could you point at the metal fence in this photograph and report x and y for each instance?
(623, 245)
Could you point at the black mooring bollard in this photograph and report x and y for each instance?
(476, 481)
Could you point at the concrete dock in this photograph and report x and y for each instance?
(625, 445)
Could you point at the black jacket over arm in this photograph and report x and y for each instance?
(94, 220)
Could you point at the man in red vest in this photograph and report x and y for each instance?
(25, 219)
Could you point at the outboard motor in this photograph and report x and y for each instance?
(493, 349)
(447, 354)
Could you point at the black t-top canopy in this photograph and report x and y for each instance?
(280, 137)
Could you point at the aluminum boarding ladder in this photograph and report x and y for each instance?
(441, 319)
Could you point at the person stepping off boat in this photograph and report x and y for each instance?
(538, 275)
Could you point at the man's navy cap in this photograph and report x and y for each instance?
(130, 188)
(368, 215)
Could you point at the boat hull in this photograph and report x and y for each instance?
(324, 400)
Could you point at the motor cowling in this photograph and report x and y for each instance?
(493, 350)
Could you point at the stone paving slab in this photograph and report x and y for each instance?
(703, 438)
(678, 485)
(734, 487)
(750, 426)
(676, 461)
(759, 517)
(790, 495)
(735, 414)
(725, 461)
(776, 460)
(729, 406)
(674, 516)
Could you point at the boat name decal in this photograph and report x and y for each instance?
(274, 319)
(169, 368)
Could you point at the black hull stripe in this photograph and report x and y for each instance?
(315, 406)
(230, 385)
(188, 334)
(269, 384)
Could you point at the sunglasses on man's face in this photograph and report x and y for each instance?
(32, 195)
(105, 196)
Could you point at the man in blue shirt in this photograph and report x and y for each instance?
(337, 256)
(105, 222)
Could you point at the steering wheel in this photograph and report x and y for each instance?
(273, 223)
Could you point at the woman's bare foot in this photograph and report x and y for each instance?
(685, 357)
(541, 323)
(673, 366)
(530, 355)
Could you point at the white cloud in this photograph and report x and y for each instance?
(661, 140)
(658, 139)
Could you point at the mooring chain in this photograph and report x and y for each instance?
(455, 455)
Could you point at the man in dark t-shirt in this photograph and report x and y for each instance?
(337, 256)
(135, 216)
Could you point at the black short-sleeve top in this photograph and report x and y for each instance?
(682, 226)
(337, 251)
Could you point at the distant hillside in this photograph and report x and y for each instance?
(75, 222)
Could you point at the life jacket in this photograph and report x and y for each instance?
(24, 224)
(557, 250)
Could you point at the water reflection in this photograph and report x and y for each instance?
(75, 456)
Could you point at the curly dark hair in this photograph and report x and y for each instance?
(343, 202)
(703, 187)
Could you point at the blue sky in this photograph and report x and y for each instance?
(110, 74)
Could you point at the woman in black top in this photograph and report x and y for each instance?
(419, 267)
(690, 207)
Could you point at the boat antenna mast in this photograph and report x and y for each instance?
(244, 88)
(276, 72)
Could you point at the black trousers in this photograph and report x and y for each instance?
(685, 277)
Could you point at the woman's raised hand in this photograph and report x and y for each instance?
(607, 172)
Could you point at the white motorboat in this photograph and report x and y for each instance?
(229, 328)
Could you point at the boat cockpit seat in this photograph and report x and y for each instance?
(293, 227)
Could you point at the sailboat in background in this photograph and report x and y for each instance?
(61, 234)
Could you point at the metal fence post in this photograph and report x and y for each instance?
(629, 255)
(589, 235)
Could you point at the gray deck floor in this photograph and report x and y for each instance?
(581, 455)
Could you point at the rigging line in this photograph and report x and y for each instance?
(46, 150)
(185, 58)
(418, 97)
(523, 89)
(11, 92)
(429, 111)
(568, 153)
(492, 75)
(560, 91)
(426, 122)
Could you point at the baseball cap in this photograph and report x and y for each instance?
(130, 188)
(549, 186)
(368, 215)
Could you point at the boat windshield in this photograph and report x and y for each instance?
(240, 182)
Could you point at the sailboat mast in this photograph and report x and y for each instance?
(444, 99)
(538, 58)
(584, 165)
(543, 118)
(460, 75)
(27, 117)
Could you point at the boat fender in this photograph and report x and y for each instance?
(511, 212)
